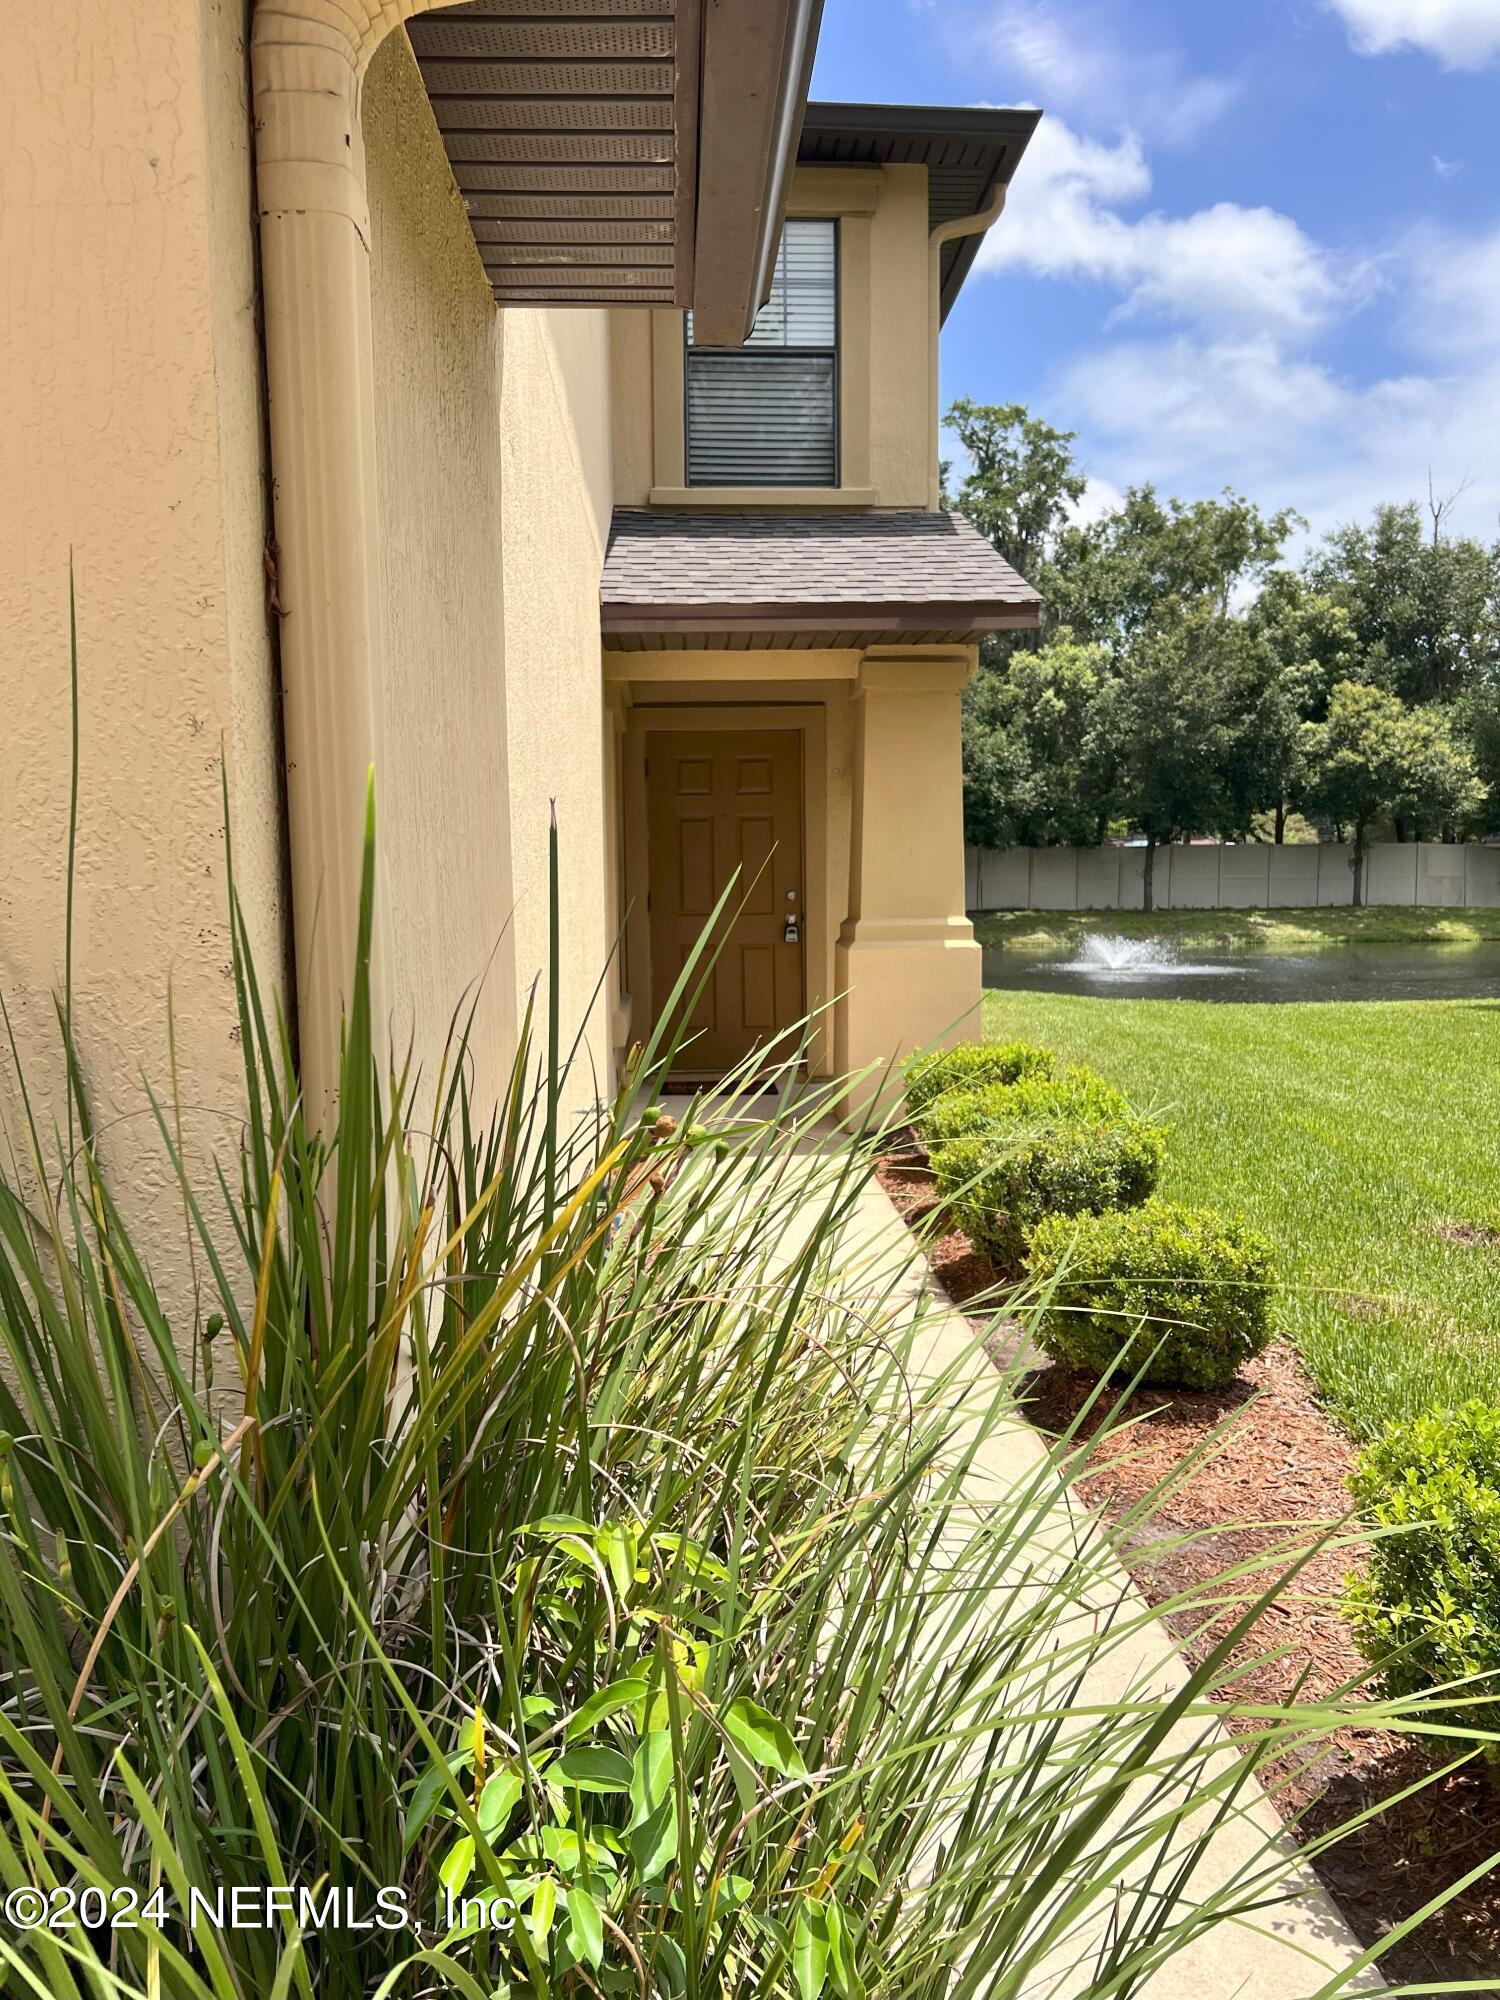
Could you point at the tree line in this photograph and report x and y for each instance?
(1188, 680)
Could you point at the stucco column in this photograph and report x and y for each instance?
(907, 964)
(308, 57)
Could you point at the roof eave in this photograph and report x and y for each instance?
(640, 620)
(911, 130)
(613, 155)
(757, 65)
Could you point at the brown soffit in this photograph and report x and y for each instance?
(623, 152)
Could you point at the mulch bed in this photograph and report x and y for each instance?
(1288, 1463)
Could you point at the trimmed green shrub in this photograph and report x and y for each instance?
(1077, 1166)
(1030, 1100)
(1427, 1611)
(931, 1076)
(1194, 1286)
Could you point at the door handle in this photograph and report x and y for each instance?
(791, 932)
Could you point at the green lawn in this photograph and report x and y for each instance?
(1353, 1135)
(1211, 931)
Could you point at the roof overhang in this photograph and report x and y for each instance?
(831, 626)
(837, 581)
(969, 152)
(623, 152)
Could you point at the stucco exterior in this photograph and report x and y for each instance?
(494, 473)
(555, 433)
(133, 435)
(885, 328)
(437, 348)
(441, 475)
(136, 436)
(890, 958)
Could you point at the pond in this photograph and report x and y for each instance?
(1115, 968)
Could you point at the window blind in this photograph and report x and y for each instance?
(766, 414)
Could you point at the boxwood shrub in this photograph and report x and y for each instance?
(1427, 1610)
(932, 1075)
(1194, 1286)
(1077, 1166)
(1030, 1100)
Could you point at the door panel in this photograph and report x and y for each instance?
(717, 801)
(695, 865)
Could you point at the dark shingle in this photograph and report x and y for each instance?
(874, 572)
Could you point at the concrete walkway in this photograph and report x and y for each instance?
(1290, 1950)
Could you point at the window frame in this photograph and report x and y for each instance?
(836, 387)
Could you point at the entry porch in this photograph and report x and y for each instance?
(784, 707)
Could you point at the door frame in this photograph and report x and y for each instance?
(807, 719)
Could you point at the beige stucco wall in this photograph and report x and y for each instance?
(884, 330)
(907, 965)
(555, 526)
(900, 328)
(442, 795)
(493, 448)
(132, 432)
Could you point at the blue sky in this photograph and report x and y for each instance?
(1254, 243)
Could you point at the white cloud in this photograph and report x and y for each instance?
(1100, 497)
(1073, 57)
(1197, 413)
(1446, 170)
(1464, 34)
(1222, 266)
(1451, 304)
(1211, 367)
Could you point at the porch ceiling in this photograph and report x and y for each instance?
(576, 135)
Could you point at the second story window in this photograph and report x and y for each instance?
(766, 414)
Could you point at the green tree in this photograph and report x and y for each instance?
(1174, 723)
(1477, 717)
(1022, 483)
(1030, 778)
(1424, 605)
(1310, 645)
(1354, 764)
(1115, 577)
(1440, 790)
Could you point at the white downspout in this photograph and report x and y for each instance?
(945, 233)
(308, 59)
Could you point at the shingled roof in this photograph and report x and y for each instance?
(804, 579)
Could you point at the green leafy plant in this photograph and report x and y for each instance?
(1181, 1295)
(551, 1540)
(1426, 1609)
(999, 1190)
(930, 1075)
(1030, 1101)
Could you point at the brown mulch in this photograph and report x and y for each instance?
(1286, 1463)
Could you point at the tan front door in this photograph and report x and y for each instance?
(721, 801)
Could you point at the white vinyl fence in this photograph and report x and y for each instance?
(1209, 877)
